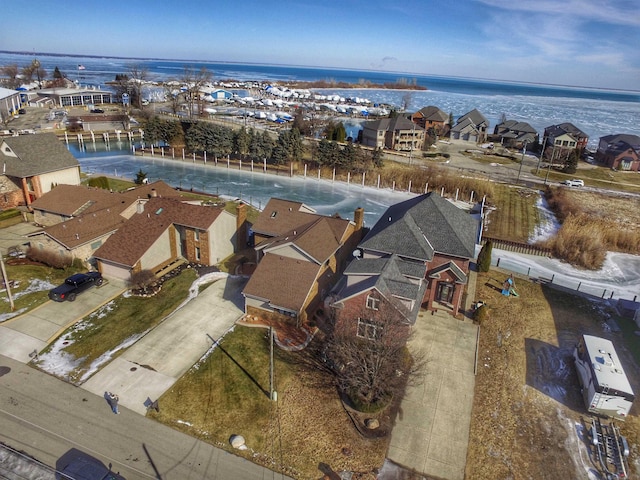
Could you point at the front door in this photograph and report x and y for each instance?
(445, 292)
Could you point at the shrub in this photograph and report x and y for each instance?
(50, 258)
(141, 280)
(484, 257)
(481, 314)
(99, 182)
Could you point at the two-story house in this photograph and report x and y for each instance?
(563, 138)
(472, 127)
(299, 266)
(31, 166)
(620, 151)
(398, 133)
(416, 256)
(515, 134)
(432, 119)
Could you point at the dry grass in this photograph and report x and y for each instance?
(592, 225)
(528, 409)
(514, 214)
(308, 426)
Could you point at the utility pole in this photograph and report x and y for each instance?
(6, 283)
(541, 154)
(273, 395)
(524, 150)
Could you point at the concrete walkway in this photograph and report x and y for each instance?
(431, 433)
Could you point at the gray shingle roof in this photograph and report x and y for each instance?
(421, 226)
(35, 155)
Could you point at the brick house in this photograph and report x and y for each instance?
(299, 266)
(416, 256)
(31, 166)
(620, 151)
(432, 118)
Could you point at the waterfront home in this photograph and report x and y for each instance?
(10, 103)
(620, 152)
(515, 134)
(31, 166)
(76, 220)
(416, 256)
(432, 119)
(165, 232)
(472, 127)
(398, 133)
(563, 138)
(300, 256)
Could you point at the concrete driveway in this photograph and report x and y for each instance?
(156, 361)
(431, 433)
(21, 335)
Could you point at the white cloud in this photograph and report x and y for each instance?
(617, 12)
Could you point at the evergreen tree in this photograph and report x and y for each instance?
(484, 257)
(57, 74)
(141, 177)
(571, 165)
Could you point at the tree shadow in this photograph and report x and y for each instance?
(4, 370)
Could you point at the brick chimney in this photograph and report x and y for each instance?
(241, 227)
(358, 218)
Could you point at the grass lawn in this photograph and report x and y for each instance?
(31, 286)
(226, 394)
(527, 408)
(121, 320)
(515, 216)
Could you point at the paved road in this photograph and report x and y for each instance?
(47, 418)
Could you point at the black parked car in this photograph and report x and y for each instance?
(74, 285)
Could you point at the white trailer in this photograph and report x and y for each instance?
(605, 387)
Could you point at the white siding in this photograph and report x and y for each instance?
(69, 176)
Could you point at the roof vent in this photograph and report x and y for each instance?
(77, 237)
(389, 218)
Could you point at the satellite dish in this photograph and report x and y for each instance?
(357, 253)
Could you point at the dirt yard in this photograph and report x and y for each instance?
(529, 418)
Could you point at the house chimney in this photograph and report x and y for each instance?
(241, 227)
(153, 193)
(358, 218)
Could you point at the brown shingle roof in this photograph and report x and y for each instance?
(136, 236)
(71, 200)
(320, 239)
(281, 216)
(284, 282)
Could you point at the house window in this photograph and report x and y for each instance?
(373, 303)
(196, 235)
(198, 253)
(368, 329)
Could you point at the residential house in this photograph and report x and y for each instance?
(515, 134)
(398, 133)
(472, 127)
(297, 266)
(620, 151)
(164, 232)
(31, 166)
(417, 255)
(77, 220)
(563, 139)
(432, 119)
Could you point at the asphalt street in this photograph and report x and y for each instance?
(47, 419)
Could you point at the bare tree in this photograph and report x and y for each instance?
(132, 83)
(193, 81)
(10, 72)
(368, 353)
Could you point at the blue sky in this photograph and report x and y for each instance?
(571, 42)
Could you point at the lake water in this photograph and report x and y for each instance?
(597, 112)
